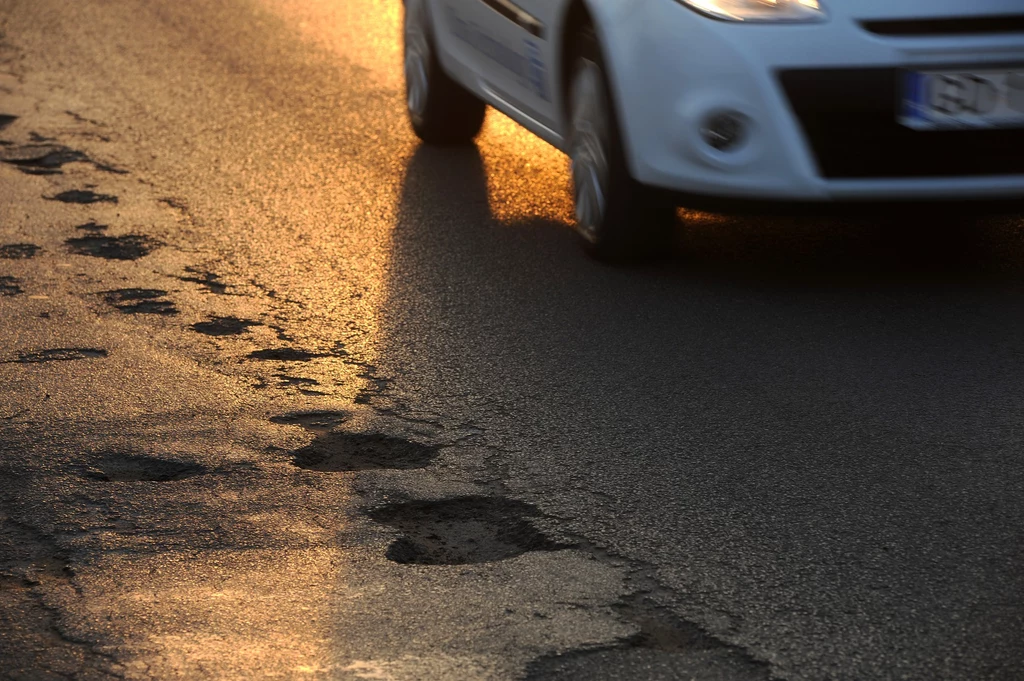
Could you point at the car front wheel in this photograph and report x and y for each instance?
(617, 217)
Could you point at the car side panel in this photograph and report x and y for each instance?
(501, 60)
(537, 32)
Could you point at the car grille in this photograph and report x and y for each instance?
(1013, 23)
(849, 119)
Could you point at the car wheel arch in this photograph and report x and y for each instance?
(578, 14)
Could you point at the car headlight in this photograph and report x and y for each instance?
(759, 10)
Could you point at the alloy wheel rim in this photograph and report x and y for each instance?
(588, 149)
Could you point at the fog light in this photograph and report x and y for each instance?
(724, 131)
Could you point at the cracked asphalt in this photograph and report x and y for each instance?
(285, 394)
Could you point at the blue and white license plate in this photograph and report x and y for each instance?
(941, 100)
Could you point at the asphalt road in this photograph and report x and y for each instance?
(286, 394)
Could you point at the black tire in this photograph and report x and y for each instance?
(448, 113)
(637, 221)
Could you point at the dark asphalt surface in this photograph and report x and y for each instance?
(792, 450)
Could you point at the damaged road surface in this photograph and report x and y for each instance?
(286, 395)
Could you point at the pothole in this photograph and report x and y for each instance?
(207, 280)
(141, 468)
(285, 355)
(666, 646)
(340, 451)
(18, 251)
(472, 529)
(313, 421)
(82, 196)
(223, 326)
(38, 159)
(9, 286)
(622, 662)
(57, 355)
(303, 384)
(6, 119)
(140, 301)
(92, 226)
(127, 247)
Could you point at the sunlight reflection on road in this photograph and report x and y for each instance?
(526, 177)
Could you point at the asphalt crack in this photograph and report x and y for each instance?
(375, 386)
(56, 355)
(34, 640)
(82, 119)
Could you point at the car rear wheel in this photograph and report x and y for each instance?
(440, 110)
(617, 217)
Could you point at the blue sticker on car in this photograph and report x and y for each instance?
(537, 72)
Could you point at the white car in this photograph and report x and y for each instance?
(660, 102)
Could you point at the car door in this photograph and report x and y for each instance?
(507, 45)
(539, 23)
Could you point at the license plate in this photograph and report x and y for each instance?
(938, 100)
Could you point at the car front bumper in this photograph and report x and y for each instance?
(820, 102)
